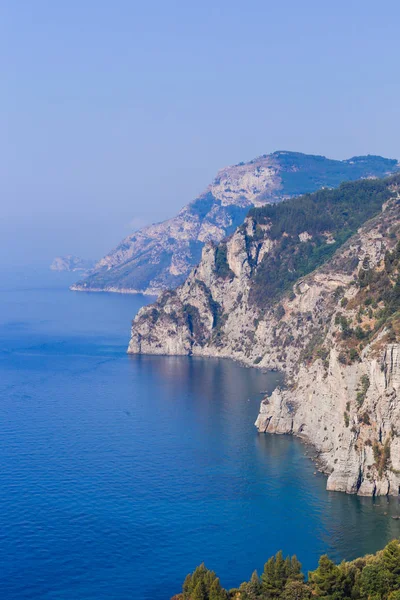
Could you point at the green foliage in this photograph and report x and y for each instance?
(325, 580)
(221, 262)
(278, 572)
(383, 286)
(353, 354)
(251, 590)
(375, 577)
(203, 584)
(342, 321)
(309, 173)
(363, 389)
(339, 212)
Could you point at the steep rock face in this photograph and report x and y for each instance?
(161, 256)
(335, 333)
(316, 409)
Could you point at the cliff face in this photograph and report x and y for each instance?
(161, 256)
(359, 445)
(334, 332)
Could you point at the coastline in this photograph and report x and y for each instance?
(114, 290)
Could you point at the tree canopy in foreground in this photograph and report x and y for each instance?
(372, 577)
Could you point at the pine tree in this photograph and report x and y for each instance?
(296, 590)
(281, 567)
(200, 592)
(391, 558)
(295, 569)
(375, 581)
(216, 591)
(324, 580)
(187, 587)
(268, 579)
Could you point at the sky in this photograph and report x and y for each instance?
(115, 114)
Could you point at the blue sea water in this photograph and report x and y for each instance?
(119, 474)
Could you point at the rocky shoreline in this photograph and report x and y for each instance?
(112, 290)
(334, 336)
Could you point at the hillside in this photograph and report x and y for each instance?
(309, 287)
(71, 263)
(161, 256)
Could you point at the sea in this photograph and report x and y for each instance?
(120, 474)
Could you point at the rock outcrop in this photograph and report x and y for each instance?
(334, 331)
(161, 256)
(71, 263)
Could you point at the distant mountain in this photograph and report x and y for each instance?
(161, 256)
(71, 263)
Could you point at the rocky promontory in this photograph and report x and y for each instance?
(309, 287)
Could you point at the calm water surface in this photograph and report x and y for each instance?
(120, 474)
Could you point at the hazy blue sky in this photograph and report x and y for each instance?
(119, 112)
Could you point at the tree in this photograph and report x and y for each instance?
(375, 581)
(187, 587)
(251, 590)
(216, 591)
(391, 558)
(268, 579)
(296, 590)
(326, 579)
(200, 592)
(277, 572)
(295, 569)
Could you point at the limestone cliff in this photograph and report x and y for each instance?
(161, 256)
(321, 303)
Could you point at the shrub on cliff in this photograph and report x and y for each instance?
(221, 262)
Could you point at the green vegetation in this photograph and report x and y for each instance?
(372, 577)
(363, 387)
(330, 217)
(378, 308)
(203, 585)
(221, 263)
(310, 173)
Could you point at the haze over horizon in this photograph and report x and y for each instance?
(115, 116)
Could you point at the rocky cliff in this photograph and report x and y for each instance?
(311, 287)
(161, 256)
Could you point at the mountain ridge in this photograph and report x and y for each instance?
(160, 256)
